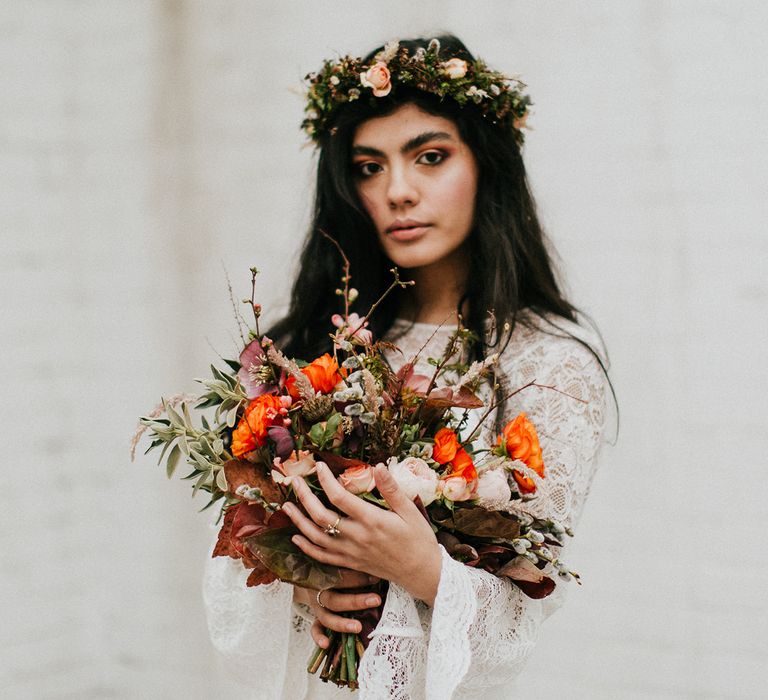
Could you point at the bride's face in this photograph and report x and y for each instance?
(417, 180)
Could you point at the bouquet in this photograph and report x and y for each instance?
(265, 419)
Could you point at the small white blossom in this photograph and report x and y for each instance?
(476, 93)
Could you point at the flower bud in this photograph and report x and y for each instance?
(520, 546)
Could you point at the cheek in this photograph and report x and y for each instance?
(370, 202)
(458, 196)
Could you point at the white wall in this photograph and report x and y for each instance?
(145, 146)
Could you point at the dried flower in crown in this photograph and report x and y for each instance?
(498, 97)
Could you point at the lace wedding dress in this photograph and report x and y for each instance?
(476, 637)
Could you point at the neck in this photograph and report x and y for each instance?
(439, 287)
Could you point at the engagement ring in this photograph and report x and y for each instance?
(333, 530)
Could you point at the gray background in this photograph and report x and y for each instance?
(147, 145)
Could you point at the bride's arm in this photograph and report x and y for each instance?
(483, 627)
(259, 632)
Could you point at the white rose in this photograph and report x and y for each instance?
(415, 477)
(455, 68)
(493, 490)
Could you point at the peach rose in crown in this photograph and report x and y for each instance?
(455, 68)
(358, 479)
(415, 477)
(378, 78)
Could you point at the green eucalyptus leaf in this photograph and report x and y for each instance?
(221, 480)
(234, 365)
(199, 483)
(173, 460)
(176, 420)
(232, 417)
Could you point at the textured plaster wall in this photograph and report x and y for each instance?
(146, 146)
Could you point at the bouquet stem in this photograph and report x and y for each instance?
(339, 660)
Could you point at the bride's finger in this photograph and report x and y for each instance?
(312, 504)
(356, 579)
(318, 634)
(340, 602)
(309, 529)
(337, 623)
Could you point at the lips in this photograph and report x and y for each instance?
(406, 229)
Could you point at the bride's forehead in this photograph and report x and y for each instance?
(401, 125)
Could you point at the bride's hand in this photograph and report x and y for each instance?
(397, 545)
(334, 601)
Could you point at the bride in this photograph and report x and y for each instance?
(420, 167)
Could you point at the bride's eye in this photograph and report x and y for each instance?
(367, 168)
(432, 157)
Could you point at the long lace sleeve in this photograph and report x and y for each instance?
(262, 636)
(481, 629)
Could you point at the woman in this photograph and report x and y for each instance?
(420, 168)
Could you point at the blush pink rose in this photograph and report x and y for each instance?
(358, 479)
(378, 78)
(456, 488)
(415, 477)
(300, 463)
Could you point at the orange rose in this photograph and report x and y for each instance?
(521, 442)
(463, 466)
(525, 483)
(446, 445)
(251, 431)
(323, 374)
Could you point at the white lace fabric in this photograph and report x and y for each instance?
(476, 637)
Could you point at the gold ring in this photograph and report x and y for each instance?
(320, 602)
(333, 530)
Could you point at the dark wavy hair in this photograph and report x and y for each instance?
(510, 268)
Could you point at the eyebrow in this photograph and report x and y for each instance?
(409, 145)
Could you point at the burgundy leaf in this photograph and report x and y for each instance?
(528, 577)
(240, 472)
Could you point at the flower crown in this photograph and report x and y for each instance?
(498, 97)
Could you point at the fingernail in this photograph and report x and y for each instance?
(288, 508)
(354, 627)
(372, 600)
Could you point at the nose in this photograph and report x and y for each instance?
(402, 190)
